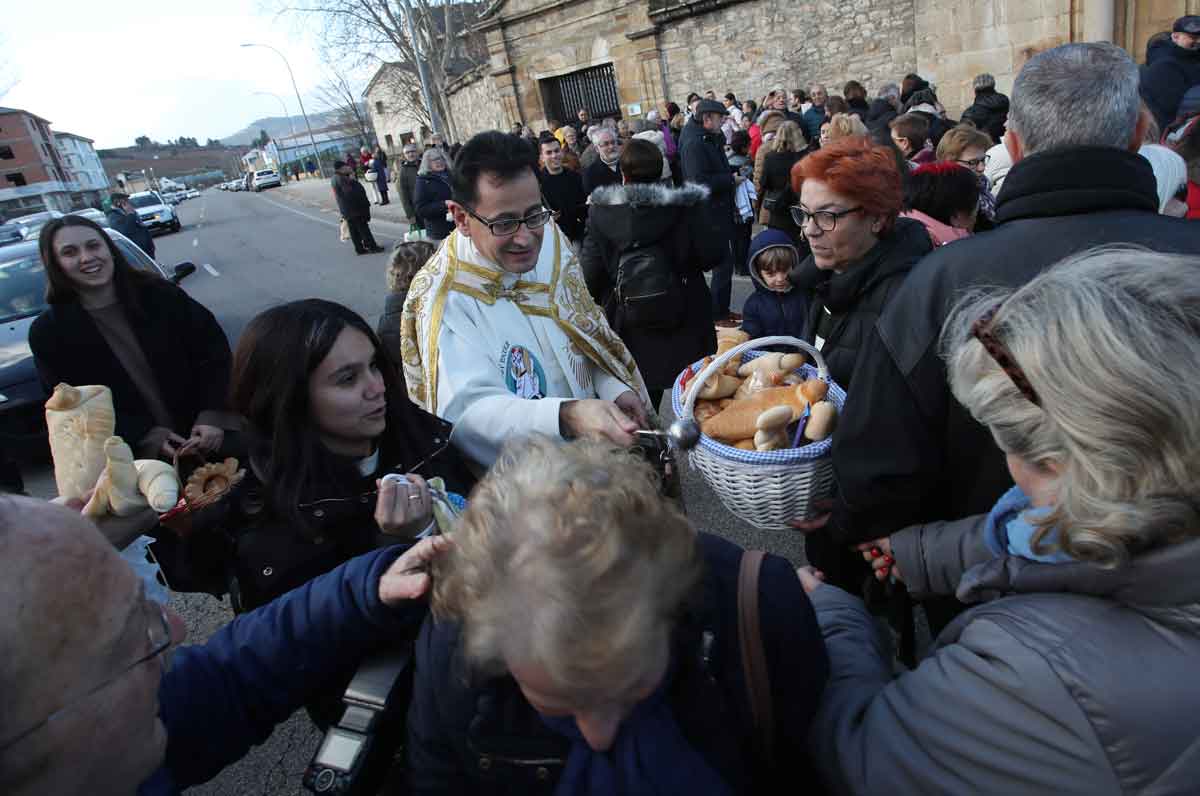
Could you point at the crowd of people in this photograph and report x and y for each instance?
(1015, 455)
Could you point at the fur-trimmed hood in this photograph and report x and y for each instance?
(650, 195)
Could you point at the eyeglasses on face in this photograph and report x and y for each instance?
(158, 640)
(975, 163)
(826, 220)
(504, 227)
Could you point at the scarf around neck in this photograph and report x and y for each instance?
(649, 757)
(1010, 528)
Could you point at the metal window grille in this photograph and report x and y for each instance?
(594, 88)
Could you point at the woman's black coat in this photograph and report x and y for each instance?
(856, 297)
(187, 351)
(626, 217)
(777, 185)
(429, 198)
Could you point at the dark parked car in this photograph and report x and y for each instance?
(22, 298)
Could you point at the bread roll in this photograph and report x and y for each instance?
(79, 421)
(158, 483)
(706, 409)
(719, 386)
(735, 334)
(822, 420)
(745, 444)
(739, 420)
(117, 488)
(814, 390)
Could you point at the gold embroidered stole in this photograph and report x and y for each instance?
(565, 300)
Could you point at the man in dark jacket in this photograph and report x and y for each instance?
(989, 112)
(562, 189)
(814, 117)
(354, 206)
(85, 671)
(906, 451)
(1172, 68)
(702, 158)
(603, 170)
(884, 108)
(123, 217)
(406, 178)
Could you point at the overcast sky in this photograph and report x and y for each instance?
(112, 71)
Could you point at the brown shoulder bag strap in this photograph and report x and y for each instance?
(754, 657)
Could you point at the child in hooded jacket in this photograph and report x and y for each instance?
(776, 307)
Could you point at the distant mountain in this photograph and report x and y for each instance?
(277, 126)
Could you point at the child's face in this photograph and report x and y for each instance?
(776, 280)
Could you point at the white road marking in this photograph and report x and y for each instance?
(374, 222)
(195, 242)
(211, 270)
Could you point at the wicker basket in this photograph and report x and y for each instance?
(767, 489)
(206, 512)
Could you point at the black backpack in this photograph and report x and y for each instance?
(648, 294)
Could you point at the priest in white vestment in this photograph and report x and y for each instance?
(500, 334)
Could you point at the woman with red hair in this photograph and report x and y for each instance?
(849, 199)
(849, 202)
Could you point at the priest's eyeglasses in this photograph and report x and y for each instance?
(158, 640)
(504, 227)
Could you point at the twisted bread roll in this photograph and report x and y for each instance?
(117, 488)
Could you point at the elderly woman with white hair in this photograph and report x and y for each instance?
(431, 193)
(1075, 672)
(586, 641)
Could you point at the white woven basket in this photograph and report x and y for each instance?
(767, 489)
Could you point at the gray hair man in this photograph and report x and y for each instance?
(603, 169)
(906, 451)
(90, 705)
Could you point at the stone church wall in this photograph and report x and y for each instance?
(476, 106)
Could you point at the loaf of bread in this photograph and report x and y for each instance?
(814, 390)
(739, 420)
(79, 420)
(771, 429)
(719, 386)
(158, 483)
(771, 362)
(822, 420)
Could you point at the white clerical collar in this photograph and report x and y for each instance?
(367, 466)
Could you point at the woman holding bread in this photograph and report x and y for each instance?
(849, 199)
(160, 351)
(327, 418)
(1075, 671)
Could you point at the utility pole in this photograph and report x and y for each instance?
(299, 101)
(422, 69)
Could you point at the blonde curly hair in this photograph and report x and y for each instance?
(406, 260)
(567, 557)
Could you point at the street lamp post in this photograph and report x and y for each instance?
(299, 101)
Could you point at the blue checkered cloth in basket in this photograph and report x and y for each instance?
(815, 450)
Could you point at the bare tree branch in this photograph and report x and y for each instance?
(361, 32)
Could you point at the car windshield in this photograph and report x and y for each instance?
(267, 173)
(22, 284)
(144, 200)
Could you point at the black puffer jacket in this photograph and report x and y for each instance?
(1169, 72)
(845, 306)
(989, 112)
(627, 217)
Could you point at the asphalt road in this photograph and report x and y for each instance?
(253, 251)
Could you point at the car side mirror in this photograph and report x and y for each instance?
(182, 271)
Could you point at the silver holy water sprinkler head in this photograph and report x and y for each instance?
(684, 433)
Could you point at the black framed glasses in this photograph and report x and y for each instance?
(158, 640)
(826, 220)
(504, 227)
(975, 163)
